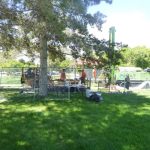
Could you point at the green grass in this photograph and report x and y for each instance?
(10, 79)
(121, 122)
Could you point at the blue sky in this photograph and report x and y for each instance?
(131, 19)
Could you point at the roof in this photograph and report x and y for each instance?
(128, 69)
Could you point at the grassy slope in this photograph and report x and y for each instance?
(121, 122)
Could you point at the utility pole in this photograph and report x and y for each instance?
(112, 31)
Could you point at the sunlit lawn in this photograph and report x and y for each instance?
(121, 122)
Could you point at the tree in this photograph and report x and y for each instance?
(40, 25)
(137, 56)
(110, 58)
(104, 55)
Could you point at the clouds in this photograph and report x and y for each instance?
(132, 28)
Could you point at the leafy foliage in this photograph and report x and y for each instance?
(23, 22)
(103, 55)
(137, 56)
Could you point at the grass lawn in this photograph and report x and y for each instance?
(121, 122)
(10, 79)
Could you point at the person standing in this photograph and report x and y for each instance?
(63, 75)
(127, 82)
(83, 76)
(94, 74)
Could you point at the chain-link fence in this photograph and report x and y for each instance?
(26, 80)
(12, 78)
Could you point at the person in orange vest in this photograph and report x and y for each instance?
(94, 74)
(83, 76)
(63, 75)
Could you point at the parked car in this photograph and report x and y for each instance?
(53, 73)
(147, 70)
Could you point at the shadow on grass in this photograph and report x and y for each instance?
(121, 122)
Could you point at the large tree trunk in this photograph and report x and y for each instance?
(43, 67)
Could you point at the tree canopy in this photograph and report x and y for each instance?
(137, 56)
